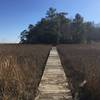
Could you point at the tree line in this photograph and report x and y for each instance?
(57, 28)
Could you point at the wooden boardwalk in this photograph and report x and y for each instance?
(53, 85)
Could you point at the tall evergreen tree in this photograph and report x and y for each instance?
(78, 29)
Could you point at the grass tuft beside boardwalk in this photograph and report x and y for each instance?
(82, 67)
(21, 68)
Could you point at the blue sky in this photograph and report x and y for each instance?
(16, 15)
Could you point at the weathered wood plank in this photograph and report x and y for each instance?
(54, 84)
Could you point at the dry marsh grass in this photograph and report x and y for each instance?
(21, 68)
(82, 67)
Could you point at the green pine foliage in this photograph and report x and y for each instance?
(57, 28)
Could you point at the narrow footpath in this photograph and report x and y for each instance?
(54, 84)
